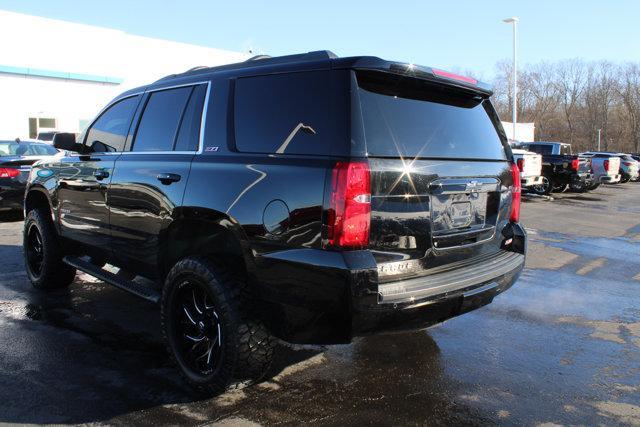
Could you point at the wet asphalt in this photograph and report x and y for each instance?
(562, 346)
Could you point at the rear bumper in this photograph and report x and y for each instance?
(325, 297)
(435, 309)
(529, 181)
(436, 286)
(610, 179)
(11, 197)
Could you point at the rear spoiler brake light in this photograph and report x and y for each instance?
(435, 74)
(453, 76)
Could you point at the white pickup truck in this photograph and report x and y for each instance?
(530, 165)
(604, 166)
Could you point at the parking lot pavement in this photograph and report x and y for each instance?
(561, 346)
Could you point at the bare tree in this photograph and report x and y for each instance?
(539, 96)
(629, 92)
(570, 85)
(570, 100)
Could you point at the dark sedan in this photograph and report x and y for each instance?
(16, 158)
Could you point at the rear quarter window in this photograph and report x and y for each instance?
(283, 113)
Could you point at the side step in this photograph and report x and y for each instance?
(135, 288)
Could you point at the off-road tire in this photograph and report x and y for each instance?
(54, 273)
(247, 345)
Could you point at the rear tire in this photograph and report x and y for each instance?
(210, 332)
(545, 188)
(593, 186)
(624, 179)
(578, 187)
(559, 188)
(43, 254)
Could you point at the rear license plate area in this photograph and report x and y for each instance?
(463, 212)
(458, 211)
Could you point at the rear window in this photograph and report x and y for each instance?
(406, 117)
(540, 149)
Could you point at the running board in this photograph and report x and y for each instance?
(113, 279)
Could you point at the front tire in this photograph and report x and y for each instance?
(43, 254)
(210, 332)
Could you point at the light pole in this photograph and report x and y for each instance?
(514, 114)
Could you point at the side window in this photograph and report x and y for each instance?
(160, 119)
(189, 133)
(171, 120)
(109, 132)
(283, 113)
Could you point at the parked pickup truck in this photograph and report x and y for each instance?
(377, 196)
(629, 168)
(530, 166)
(605, 167)
(560, 168)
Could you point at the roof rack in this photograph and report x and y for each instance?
(262, 60)
(258, 57)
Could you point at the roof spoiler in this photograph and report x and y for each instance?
(426, 73)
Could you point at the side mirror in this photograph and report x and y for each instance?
(66, 141)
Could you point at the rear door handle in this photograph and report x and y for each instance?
(168, 178)
(101, 174)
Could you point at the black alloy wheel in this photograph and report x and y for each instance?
(210, 326)
(543, 188)
(197, 328)
(34, 251)
(43, 254)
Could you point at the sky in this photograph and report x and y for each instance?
(452, 34)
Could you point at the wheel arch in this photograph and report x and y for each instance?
(208, 233)
(37, 196)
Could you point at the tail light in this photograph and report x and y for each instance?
(627, 163)
(606, 165)
(9, 172)
(516, 191)
(349, 214)
(575, 163)
(520, 163)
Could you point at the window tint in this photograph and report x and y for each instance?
(109, 132)
(160, 120)
(406, 117)
(284, 113)
(189, 133)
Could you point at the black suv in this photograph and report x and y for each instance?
(306, 197)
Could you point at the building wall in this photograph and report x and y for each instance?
(67, 71)
(524, 131)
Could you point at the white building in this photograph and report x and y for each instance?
(524, 131)
(58, 75)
